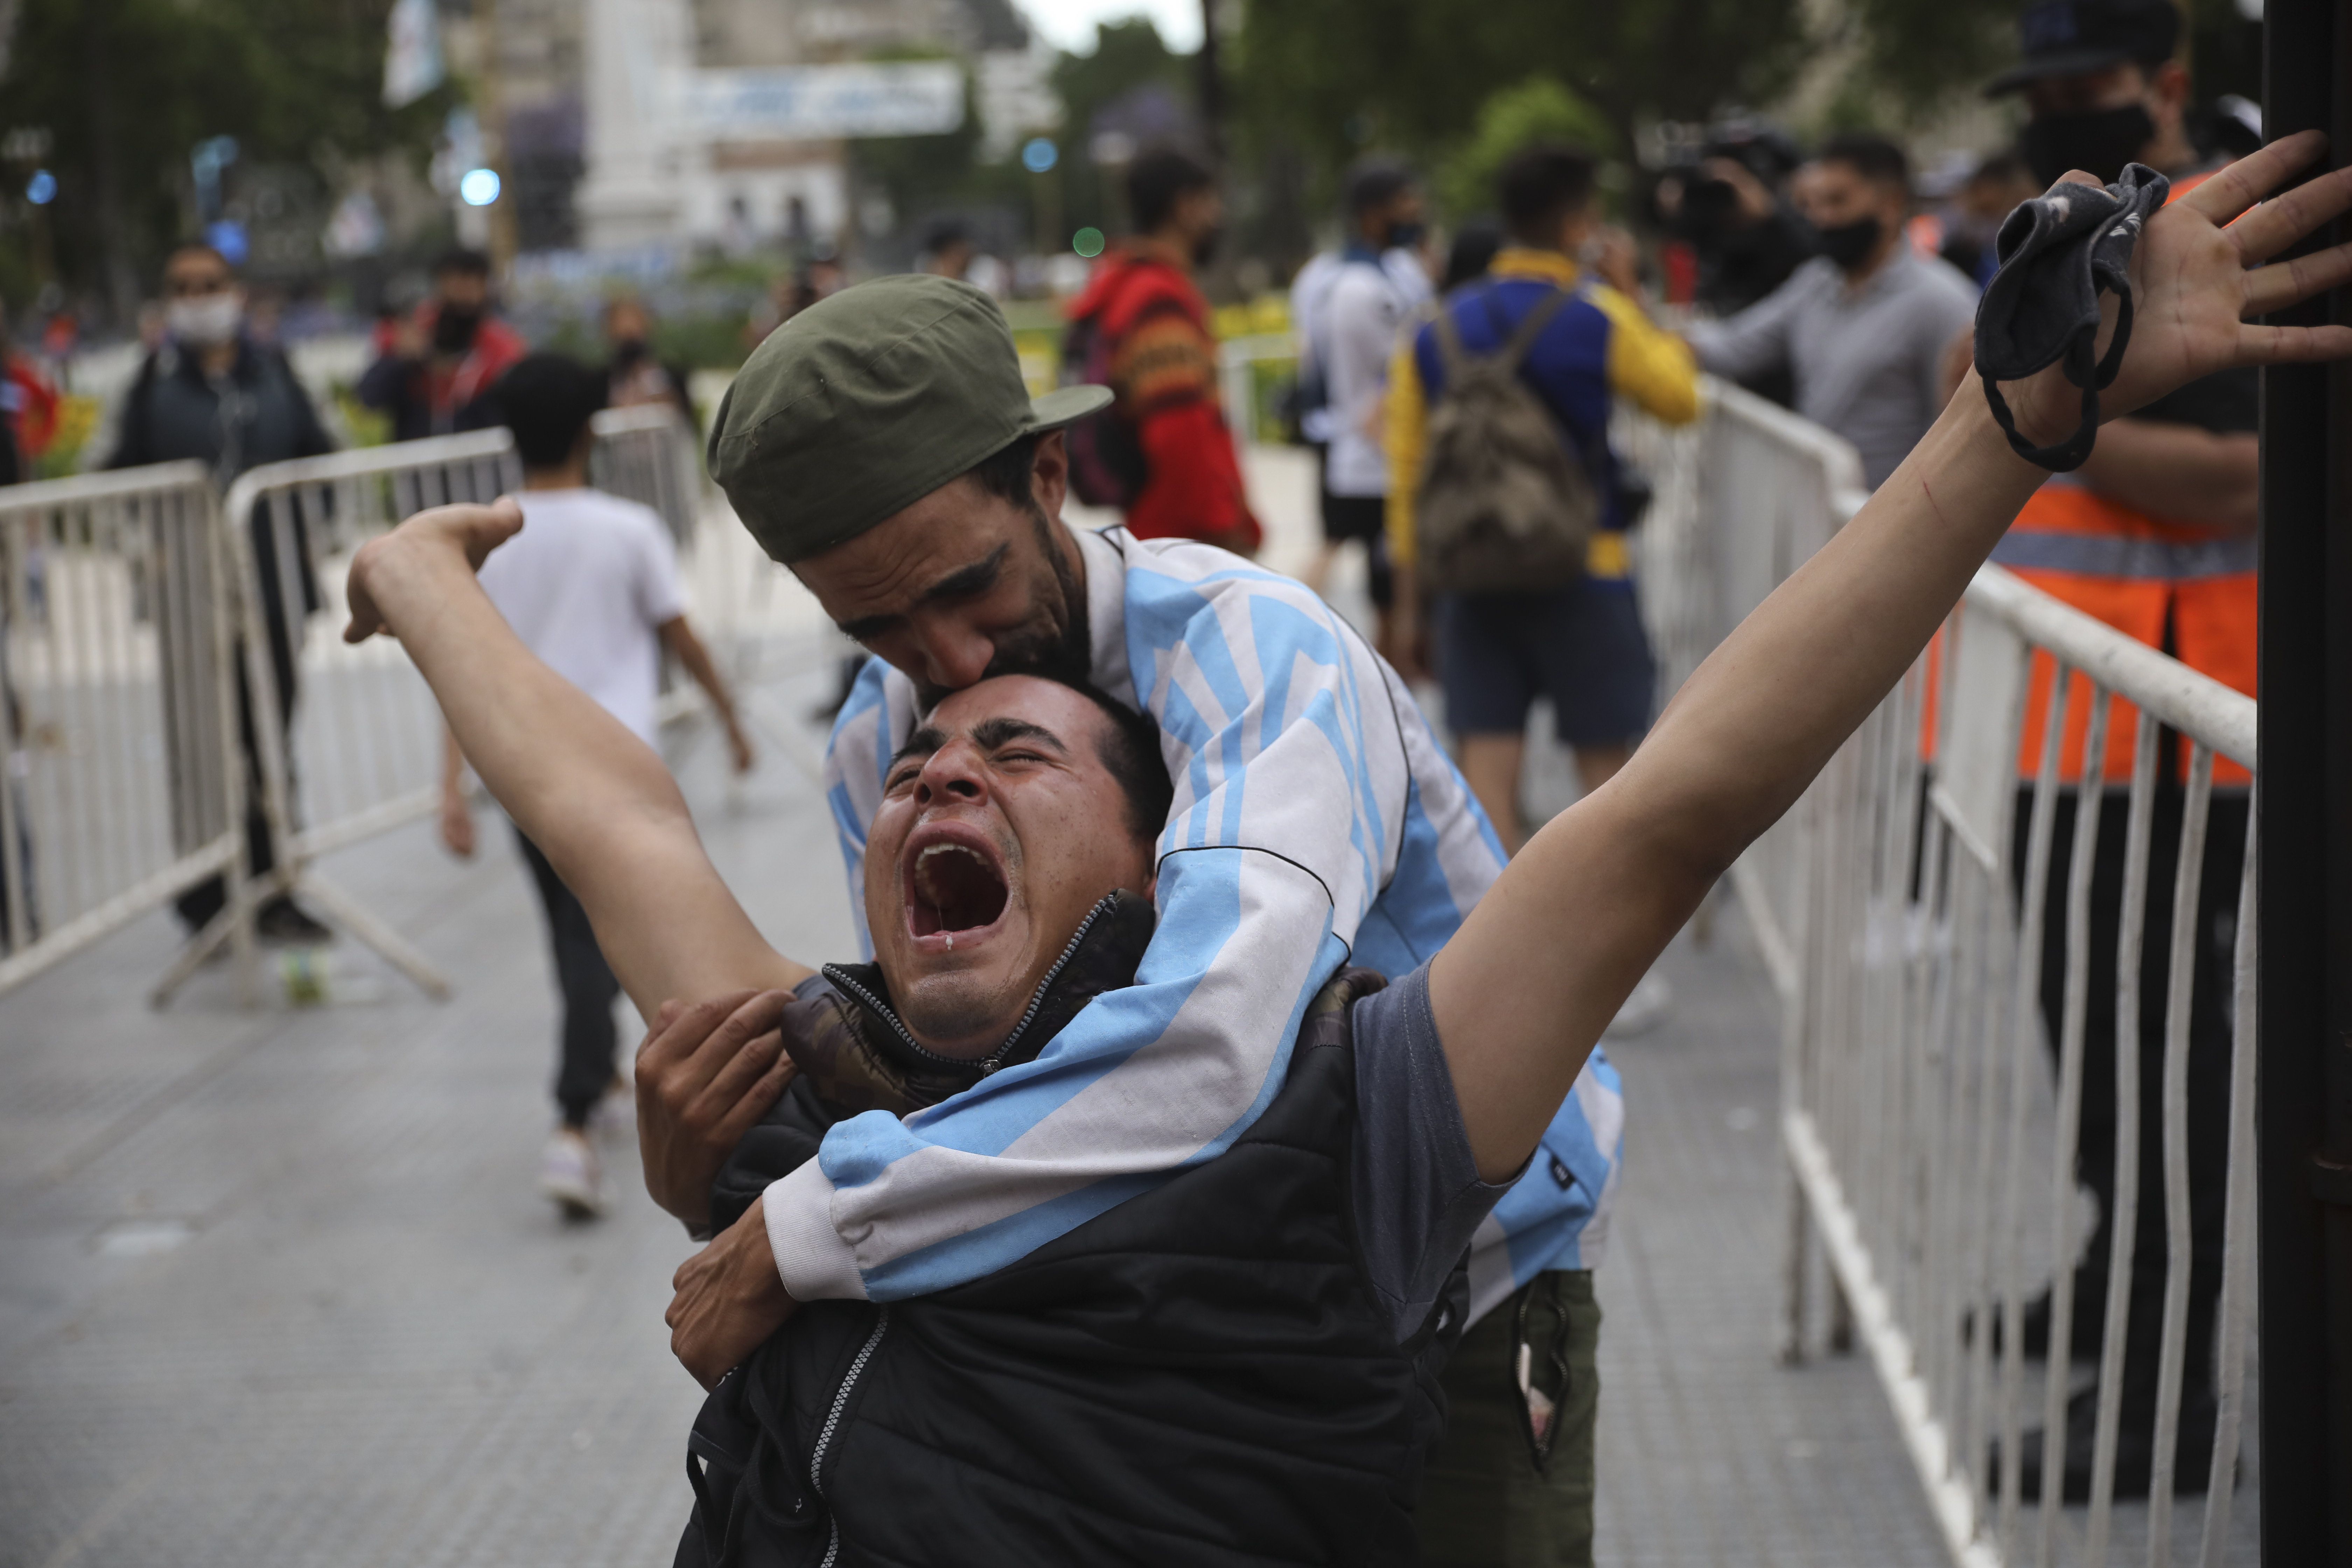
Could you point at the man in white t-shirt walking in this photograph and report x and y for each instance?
(591, 587)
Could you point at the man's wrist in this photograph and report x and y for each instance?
(811, 1259)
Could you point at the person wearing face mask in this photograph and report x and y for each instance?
(210, 393)
(1863, 326)
(1162, 452)
(1378, 282)
(2153, 534)
(446, 356)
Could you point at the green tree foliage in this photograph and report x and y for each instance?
(127, 89)
(1536, 110)
(1128, 54)
(1334, 76)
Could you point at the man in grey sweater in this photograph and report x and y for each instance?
(1864, 326)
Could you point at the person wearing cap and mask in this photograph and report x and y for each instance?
(1163, 454)
(1863, 326)
(446, 356)
(211, 393)
(2153, 534)
(1197, 1394)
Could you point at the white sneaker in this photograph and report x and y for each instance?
(1645, 1010)
(568, 1174)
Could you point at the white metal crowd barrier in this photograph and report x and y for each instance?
(647, 453)
(121, 786)
(362, 754)
(1906, 907)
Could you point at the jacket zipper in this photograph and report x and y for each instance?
(994, 1058)
(833, 1420)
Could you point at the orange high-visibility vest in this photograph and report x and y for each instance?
(2134, 573)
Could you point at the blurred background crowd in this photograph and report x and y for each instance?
(668, 179)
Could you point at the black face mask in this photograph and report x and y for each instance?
(2099, 143)
(628, 352)
(454, 327)
(1849, 244)
(1402, 235)
(1204, 249)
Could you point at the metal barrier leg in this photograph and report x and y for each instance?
(1796, 1264)
(353, 917)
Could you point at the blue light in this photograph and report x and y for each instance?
(42, 188)
(227, 236)
(1038, 154)
(479, 188)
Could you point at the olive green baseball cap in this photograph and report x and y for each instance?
(868, 401)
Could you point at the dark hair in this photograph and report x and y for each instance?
(1473, 251)
(1871, 157)
(546, 400)
(462, 259)
(1158, 179)
(1006, 471)
(1374, 182)
(1130, 752)
(1541, 186)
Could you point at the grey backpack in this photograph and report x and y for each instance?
(1503, 507)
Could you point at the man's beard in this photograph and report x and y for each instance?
(1058, 643)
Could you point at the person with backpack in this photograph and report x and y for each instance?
(1503, 500)
(1161, 453)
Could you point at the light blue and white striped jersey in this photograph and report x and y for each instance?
(1315, 819)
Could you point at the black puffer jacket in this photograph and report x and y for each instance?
(1198, 1376)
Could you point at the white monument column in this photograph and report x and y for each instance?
(632, 191)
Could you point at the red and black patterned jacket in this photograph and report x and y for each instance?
(1164, 366)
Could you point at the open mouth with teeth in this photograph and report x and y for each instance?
(953, 889)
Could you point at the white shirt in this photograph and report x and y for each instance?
(587, 584)
(1366, 307)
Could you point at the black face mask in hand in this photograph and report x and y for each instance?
(1849, 244)
(2099, 143)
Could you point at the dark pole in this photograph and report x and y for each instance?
(114, 242)
(2304, 1098)
(1212, 86)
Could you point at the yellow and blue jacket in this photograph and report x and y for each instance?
(1599, 347)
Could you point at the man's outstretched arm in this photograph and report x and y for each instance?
(594, 797)
(1542, 963)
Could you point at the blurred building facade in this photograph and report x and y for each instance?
(650, 175)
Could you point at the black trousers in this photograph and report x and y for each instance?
(584, 1066)
(200, 903)
(2214, 979)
